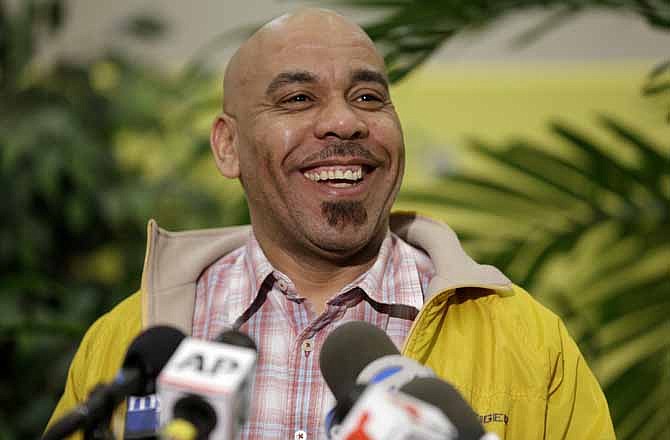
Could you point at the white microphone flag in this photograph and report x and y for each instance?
(219, 373)
(382, 414)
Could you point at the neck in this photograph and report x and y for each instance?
(318, 277)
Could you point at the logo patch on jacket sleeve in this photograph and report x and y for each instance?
(494, 417)
(141, 416)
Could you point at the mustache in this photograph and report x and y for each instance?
(342, 149)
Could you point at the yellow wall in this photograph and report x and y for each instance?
(441, 106)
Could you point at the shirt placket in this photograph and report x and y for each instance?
(299, 365)
(307, 402)
(301, 395)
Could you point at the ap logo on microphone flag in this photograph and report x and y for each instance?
(141, 416)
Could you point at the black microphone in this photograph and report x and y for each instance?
(375, 360)
(145, 358)
(236, 338)
(347, 351)
(448, 400)
(193, 419)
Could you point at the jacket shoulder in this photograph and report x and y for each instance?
(122, 323)
(100, 353)
(106, 341)
(515, 362)
(512, 317)
(531, 320)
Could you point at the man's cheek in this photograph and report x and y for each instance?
(387, 133)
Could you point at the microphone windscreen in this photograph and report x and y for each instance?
(149, 352)
(445, 397)
(236, 338)
(198, 412)
(348, 350)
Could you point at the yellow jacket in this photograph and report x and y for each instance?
(512, 359)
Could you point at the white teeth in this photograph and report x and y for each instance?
(340, 174)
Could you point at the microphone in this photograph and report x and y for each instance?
(393, 371)
(426, 408)
(382, 414)
(194, 419)
(375, 361)
(204, 389)
(453, 406)
(145, 358)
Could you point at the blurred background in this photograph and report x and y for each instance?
(539, 130)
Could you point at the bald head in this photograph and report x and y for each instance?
(310, 27)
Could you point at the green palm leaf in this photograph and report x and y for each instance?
(410, 31)
(589, 234)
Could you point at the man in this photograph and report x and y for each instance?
(309, 128)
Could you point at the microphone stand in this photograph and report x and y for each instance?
(93, 417)
(101, 429)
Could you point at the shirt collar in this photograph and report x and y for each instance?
(392, 279)
(257, 265)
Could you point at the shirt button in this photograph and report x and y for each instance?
(283, 286)
(300, 435)
(307, 346)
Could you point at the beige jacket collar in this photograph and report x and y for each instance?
(174, 261)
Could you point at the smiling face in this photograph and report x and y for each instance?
(310, 130)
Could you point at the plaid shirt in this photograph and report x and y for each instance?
(242, 290)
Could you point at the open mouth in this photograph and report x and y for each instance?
(338, 176)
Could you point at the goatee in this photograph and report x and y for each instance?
(343, 213)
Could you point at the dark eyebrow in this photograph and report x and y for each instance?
(366, 75)
(286, 78)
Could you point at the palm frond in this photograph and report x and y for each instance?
(410, 31)
(588, 234)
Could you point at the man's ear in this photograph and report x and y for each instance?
(223, 140)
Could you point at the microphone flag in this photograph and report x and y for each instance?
(219, 373)
(382, 414)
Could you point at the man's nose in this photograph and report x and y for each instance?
(339, 119)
